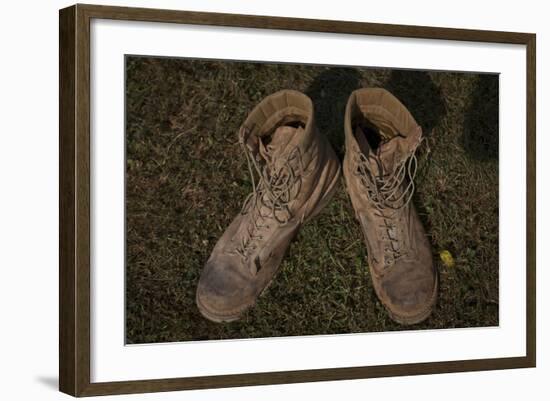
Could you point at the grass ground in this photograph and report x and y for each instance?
(187, 179)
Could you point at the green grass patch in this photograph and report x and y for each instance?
(187, 179)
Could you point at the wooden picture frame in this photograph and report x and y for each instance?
(74, 204)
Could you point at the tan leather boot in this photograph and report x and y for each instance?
(298, 172)
(379, 169)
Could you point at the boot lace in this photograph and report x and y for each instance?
(385, 190)
(270, 198)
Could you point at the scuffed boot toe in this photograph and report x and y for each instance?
(409, 298)
(222, 296)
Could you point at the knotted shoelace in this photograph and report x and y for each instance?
(270, 197)
(386, 192)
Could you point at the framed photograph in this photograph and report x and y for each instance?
(250, 200)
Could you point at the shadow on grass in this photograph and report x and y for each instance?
(480, 138)
(417, 91)
(330, 91)
(423, 98)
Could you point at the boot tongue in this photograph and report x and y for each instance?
(389, 153)
(282, 142)
(275, 154)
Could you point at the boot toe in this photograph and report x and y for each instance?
(409, 295)
(222, 293)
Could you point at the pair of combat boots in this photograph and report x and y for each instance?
(298, 173)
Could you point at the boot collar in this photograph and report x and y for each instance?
(275, 110)
(383, 110)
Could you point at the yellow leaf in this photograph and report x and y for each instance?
(447, 258)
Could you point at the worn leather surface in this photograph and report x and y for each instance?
(400, 257)
(281, 136)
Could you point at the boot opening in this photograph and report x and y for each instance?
(283, 130)
(296, 124)
(367, 135)
(286, 108)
